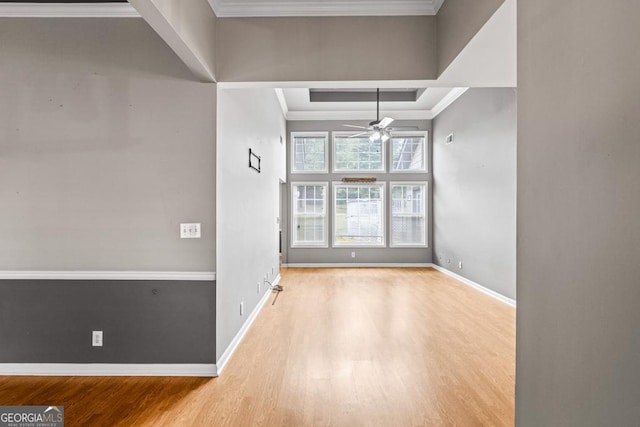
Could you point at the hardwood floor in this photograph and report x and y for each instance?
(344, 347)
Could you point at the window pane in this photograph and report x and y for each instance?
(408, 214)
(359, 220)
(309, 153)
(358, 154)
(408, 153)
(309, 220)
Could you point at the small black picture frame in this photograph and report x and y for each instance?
(254, 161)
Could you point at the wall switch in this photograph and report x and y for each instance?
(241, 308)
(460, 265)
(353, 254)
(96, 339)
(449, 139)
(190, 230)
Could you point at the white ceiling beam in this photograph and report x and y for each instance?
(186, 28)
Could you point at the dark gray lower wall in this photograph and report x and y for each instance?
(474, 194)
(51, 321)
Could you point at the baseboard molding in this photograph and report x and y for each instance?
(356, 265)
(108, 369)
(477, 286)
(226, 356)
(109, 275)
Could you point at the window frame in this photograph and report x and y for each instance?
(425, 151)
(383, 193)
(292, 147)
(392, 244)
(325, 242)
(383, 159)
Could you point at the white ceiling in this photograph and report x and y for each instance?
(248, 8)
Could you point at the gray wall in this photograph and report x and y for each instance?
(106, 145)
(326, 48)
(474, 191)
(458, 21)
(248, 203)
(578, 344)
(363, 255)
(50, 321)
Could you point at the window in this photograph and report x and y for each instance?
(309, 152)
(358, 216)
(357, 154)
(408, 152)
(408, 214)
(309, 219)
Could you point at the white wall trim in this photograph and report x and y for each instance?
(358, 115)
(68, 10)
(283, 102)
(226, 356)
(448, 100)
(356, 265)
(234, 8)
(477, 286)
(109, 369)
(107, 275)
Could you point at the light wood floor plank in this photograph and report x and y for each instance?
(343, 347)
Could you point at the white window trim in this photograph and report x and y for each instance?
(335, 134)
(426, 214)
(383, 192)
(325, 243)
(425, 151)
(292, 150)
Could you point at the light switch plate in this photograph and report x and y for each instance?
(190, 230)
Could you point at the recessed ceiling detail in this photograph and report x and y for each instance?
(364, 95)
(256, 8)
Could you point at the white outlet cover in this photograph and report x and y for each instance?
(96, 339)
(190, 230)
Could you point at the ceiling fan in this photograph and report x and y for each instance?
(377, 129)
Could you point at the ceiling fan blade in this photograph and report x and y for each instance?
(358, 134)
(355, 127)
(385, 122)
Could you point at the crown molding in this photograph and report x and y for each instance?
(282, 100)
(67, 10)
(449, 99)
(231, 8)
(358, 115)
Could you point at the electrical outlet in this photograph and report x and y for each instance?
(96, 339)
(242, 308)
(353, 254)
(190, 230)
(460, 265)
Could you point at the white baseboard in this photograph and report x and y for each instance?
(356, 265)
(108, 275)
(224, 359)
(475, 285)
(108, 369)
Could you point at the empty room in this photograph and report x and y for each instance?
(304, 213)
